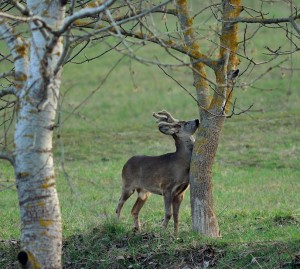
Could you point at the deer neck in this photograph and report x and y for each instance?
(184, 147)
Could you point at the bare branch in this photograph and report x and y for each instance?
(262, 20)
(95, 57)
(295, 25)
(95, 90)
(8, 91)
(21, 19)
(24, 10)
(177, 82)
(8, 157)
(233, 113)
(19, 51)
(202, 10)
(188, 92)
(267, 71)
(170, 44)
(7, 74)
(118, 23)
(86, 12)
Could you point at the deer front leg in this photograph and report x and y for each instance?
(168, 208)
(141, 200)
(124, 196)
(176, 205)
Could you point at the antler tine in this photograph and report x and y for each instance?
(171, 124)
(164, 116)
(159, 117)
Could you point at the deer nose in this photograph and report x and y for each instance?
(197, 122)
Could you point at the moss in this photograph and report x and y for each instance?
(32, 260)
(80, 23)
(48, 185)
(21, 77)
(45, 223)
(23, 174)
(21, 50)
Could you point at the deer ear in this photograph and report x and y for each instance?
(168, 130)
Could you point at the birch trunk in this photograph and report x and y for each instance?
(41, 234)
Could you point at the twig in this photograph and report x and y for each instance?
(233, 113)
(177, 82)
(263, 21)
(94, 91)
(8, 157)
(203, 108)
(98, 56)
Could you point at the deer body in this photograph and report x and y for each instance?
(166, 175)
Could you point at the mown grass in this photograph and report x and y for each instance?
(256, 172)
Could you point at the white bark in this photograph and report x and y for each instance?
(18, 49)
(41, 237)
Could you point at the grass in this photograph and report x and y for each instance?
(256, 172)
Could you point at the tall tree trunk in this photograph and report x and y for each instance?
(41, 234)
(204, 219)
(211, 112)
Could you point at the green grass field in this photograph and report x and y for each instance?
(256, 172)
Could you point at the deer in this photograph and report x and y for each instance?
(166, 175)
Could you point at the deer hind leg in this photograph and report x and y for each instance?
(124, 196)
(141, 200)
(176, 205)
(168, 209)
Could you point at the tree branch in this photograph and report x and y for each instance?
(86, 12)
(19, 51)
(8, 157)
(118, 23)
(7, 74)
(295, 25)
(24, 10)
(170, 44)
(7, 91)
(233, 113)
(263, 21)
(157, 9)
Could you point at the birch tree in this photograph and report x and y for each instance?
(39, 38)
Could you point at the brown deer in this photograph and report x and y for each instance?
(166, 175)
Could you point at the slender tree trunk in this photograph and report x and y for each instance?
(41, 234)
